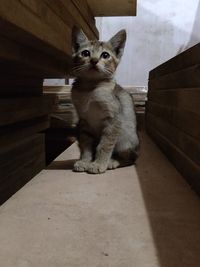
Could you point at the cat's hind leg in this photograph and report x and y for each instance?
(127, 157)
(126, 152)
(122, 159)
(113, 164)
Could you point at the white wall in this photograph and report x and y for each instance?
(161, 29)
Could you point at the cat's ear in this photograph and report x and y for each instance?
(78, 37)
(118, 42)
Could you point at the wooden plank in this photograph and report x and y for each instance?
(184, 60)
(20, 164)
(77, 16)
(186, 121)
(13, 133)
(87, 16)
(187, 78)
(21, 60)
(13, 80)
(13, 110)
(189, 170)
(188, 99)
(84, 9)
(31, 43)
(71, 15)
(187, 144)
(18, 85)
(113, 7)
(18, 152)
(40, 29)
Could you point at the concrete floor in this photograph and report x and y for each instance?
(130, 217)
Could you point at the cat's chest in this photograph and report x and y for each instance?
(93, 106)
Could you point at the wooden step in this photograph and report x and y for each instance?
(57, 218)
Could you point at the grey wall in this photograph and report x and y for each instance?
(161, 29)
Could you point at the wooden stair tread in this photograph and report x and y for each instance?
(64, 214)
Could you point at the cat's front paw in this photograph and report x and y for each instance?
(96, 168)
(81, 166)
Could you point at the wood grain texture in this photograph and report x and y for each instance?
(186, 121)
(20, 85)
(184, 60)
(173, 113)
(75, 15)
(189, 169)
(84, 9)
(37, 34)
(180, 98)
(14, 133)
(18, 59)
(187, 144)
(19, 164)
(186, 78)
(34, 24)
(113, 7)
(13, 110)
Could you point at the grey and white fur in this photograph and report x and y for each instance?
(107, 121)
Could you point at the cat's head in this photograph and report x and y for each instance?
(96, 59)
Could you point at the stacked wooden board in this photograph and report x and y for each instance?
(63, 113)
(35, 43)
(36, 35)
(113, 7)
(173, 112)
(139, 96)
(22, 155)
(63, 121)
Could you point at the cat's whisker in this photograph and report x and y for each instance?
(107, 71)
(104, 70)
(81, 65)
(85, 66)
(79, 68)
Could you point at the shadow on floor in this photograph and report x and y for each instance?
(62, 165)
(173, 209)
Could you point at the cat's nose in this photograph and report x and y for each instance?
(94, 61)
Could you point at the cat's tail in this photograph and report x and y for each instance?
(126, 158)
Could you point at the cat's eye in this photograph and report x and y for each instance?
(85, 53)
(105, 55)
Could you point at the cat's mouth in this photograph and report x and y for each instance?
(94, 67)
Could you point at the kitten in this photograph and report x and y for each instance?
(107, 125)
